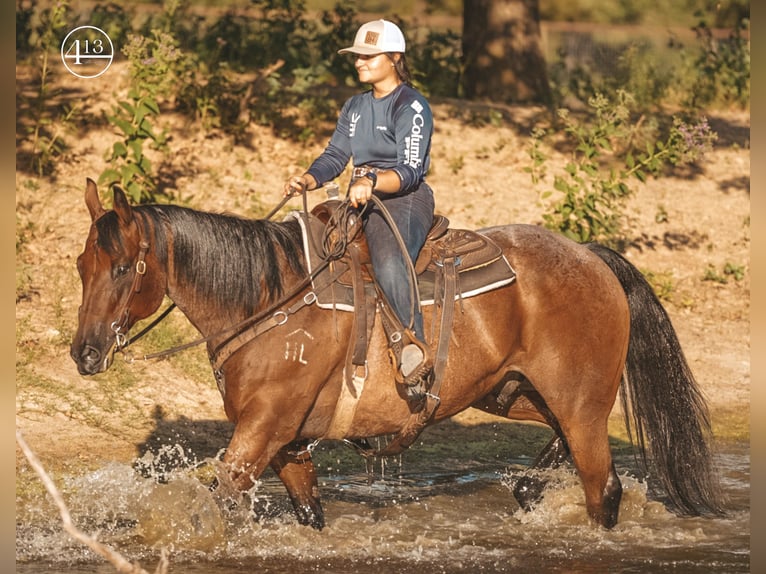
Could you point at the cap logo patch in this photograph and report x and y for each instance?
(371, 38)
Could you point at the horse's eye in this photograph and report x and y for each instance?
(122, 270)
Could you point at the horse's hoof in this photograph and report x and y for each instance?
(310, 516)
(528, 491)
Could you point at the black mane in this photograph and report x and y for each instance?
(229, 260)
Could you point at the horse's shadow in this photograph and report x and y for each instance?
(174, 444)
(446, 441)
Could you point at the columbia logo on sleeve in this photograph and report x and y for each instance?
(412, 143)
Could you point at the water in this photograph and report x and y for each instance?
(444, 509)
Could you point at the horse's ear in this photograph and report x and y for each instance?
(121, 206)
(92, 200)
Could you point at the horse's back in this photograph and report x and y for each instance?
(545, 260)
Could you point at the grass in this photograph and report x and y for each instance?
(176, 330)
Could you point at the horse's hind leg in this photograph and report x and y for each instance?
(295, 469)
(515, 398)
(529, 488)
(593, 459)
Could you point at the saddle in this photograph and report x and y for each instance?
(479, 261)
(454, 264)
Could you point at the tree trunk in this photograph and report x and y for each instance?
(502, 51)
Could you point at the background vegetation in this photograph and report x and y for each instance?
(226, 63)
(620, 94)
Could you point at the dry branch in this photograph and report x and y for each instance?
(114, 557)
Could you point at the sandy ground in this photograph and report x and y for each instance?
(479, 178)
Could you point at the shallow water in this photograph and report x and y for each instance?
(432, 510)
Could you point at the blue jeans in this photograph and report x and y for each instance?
(413, 214)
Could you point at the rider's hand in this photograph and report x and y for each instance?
(360, 191)
(296, 184)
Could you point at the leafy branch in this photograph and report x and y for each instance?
(590, 191)
(152, 63)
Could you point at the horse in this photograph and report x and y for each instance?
(579, 325)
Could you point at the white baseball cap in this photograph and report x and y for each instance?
(376, 37)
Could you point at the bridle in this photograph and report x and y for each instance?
(117, 326)
(259, 323)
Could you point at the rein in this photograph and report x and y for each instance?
(272, 313)
(273, 316)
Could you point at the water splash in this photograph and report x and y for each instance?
(418, 521)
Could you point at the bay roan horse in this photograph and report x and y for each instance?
(577, 325)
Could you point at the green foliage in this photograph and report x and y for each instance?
(709, 71)
(648, 78)
(114, 20)
(152, 73)
(589, 191)
(662, 284)
(723, 69)
(24, 15)
(275, 63)
(623, 12)
(50, 123)
(439, 63)
(725, 13)
(662, 214)
(729, 271)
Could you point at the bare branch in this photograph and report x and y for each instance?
(114, 557)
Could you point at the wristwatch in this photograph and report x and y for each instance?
(373, 177)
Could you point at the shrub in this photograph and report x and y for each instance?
(152, 75)
(723, 69)
(589, 191)
(50, 122)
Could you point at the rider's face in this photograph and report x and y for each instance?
(373, 69)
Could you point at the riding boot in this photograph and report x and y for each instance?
(415, 372)
(410, 357)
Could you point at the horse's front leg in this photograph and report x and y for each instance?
(256, 445)
(295, 469)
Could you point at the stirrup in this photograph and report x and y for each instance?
(417, 391)
(417, 374)
(420, 376)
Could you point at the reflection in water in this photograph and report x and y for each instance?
(426, 513)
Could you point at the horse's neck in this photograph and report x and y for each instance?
(209, 318)
(222, 294)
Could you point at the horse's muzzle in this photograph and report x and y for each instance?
(90, 360)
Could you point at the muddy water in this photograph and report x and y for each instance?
(439, 508)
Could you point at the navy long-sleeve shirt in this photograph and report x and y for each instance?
(392, 132)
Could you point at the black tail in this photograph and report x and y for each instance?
(661, 397)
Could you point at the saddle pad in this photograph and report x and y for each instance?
(470, 283)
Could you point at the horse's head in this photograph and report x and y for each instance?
(122, 281)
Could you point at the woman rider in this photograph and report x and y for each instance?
(386, 131)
